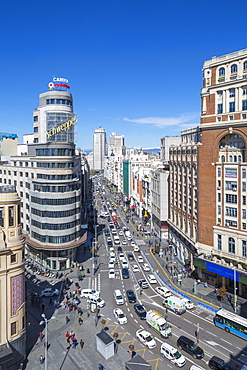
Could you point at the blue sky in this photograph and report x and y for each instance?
(134, 66)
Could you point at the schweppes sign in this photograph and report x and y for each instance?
(63, 127)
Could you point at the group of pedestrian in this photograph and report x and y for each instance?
(72, 341)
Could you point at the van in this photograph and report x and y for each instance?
(190, 347)
(175, 304)
(172, 354)
(118, 297)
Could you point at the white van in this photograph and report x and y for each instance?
(118, 297)
(172, 354)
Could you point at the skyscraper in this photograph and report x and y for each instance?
(99, 148)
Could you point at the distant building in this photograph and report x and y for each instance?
(8, 145)
(12, 281)
(99, 149)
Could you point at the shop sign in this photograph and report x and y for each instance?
(63, 127)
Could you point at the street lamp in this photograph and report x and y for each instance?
(235, 288)
(46, 336)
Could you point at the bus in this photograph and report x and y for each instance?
(231, 323)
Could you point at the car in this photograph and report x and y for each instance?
(131, 257)
(163, 291)
(118, 297)
(125, 273)
(124, 264)
(86, 293)
(124, 242)
(217, 363)
(140, 259)
(111, 264)
(152, 279)
(188, 303)
(121, 257)
(98, 301)
(120, 316)
(146, 267)
(146, 338)
(118, 226)
(111, 274)
(143, 283)
(121, 233)
(114, 232)
(131, 296)
(119, 249)
(109, 239)
(133, 244)
(111, 225)
(115, 223)
(49, 292)
(136, 249)
(190, 347)
(135, 268)
(172, 354)
(141, 311)
(129, 237)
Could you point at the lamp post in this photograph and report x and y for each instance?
(46, 336)
(235, 288)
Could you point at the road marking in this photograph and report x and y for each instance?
(128, 308)
(131, 314)
(211, 342)
(136, 321)
(159, 340)
(141, 326)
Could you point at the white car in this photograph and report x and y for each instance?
(152, 279)
(86, 293)
(124, 264)
(163, 291)
(124, 242)
(189, 304)
(49, 292)
(146, 267)
(121, 257)
(120, 316)
(111, 264)
(135, 268)
(129, 237)
(111, 274)
(140, 259)
(133, 244)
(146, 338)
(98, 301)
(121, 233)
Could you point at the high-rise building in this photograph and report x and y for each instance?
(48, 179)
(99, 149)
(12, 281)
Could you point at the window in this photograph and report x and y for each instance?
(234, 68)
(219, 197)
(243, 173)
(219, 171)
(244, 200)
(245, 66)
(35, 129)
(13, 258)
(244, 248)
(244, 116)
(231, 211)
(231, 172)
(36, 140)
(230, 158)
(35, 118)
(231, 198)
(221, 72)
(219, 241)
(231, 185)
(231, 245)
(13, 328)
(220, 108)
(244, 213)
(231, 223)
(244, 226)
(232, 106)
(231, 93)
(219, 210)
(244, 104)
(244, 90)
(11, 216)
(2, 217)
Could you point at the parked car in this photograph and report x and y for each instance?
(131, 257)
(49, 292)
(140, 259)
(121, 257)
(146, 338)
(152, 279)
(120, 316)
(119, 249)
(131, 296)
(135, 268)
(124, 242)
(143, 283)
(124, 264)
(141, 311)
(111, 264)
(190, 347)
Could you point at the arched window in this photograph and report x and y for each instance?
(230, 158)
(234, 68)
(221, 72)
(245, 66)
(235, 158)
(231, 245)
(239, 158)
(223, 159)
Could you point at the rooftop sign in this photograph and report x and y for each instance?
(59, 83)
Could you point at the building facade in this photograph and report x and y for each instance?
(12, 281)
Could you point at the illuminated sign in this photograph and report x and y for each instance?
(59, 83)
(63, 127)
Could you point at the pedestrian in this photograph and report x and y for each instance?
(67, 336)
(80, 321)
(81, 344)
(43, 307)
(50, 302)
(41, 336)
(101, 367)
(21, 366)
(41, 359)
(67, 319)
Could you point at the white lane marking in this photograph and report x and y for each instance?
(131, 314)
(141, 327)
(187, 320)
(212, 343)
(128, 308)
(136, 321)
(158, 339)
(108, 318)
(214, 335)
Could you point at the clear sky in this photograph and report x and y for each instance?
(134, 66)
